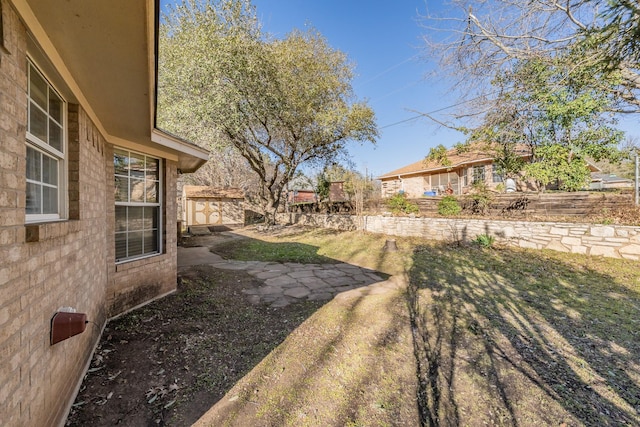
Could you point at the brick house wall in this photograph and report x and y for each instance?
(137, 282)
(69, 263)
(414, 185)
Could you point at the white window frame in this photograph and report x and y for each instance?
(44, 148)
(476, 173)
(495, 176)
(159, 205)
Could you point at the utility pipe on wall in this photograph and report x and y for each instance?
(637, 193)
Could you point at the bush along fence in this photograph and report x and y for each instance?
(591, 239)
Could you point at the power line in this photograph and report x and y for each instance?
(435, 111)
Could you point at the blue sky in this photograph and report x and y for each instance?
(384, 40)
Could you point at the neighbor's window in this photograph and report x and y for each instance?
(478, 174)
(137, 197)
(45, 149)
(497, 177)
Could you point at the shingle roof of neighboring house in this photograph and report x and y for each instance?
(609, 178)
(456, 159)
(198, 191)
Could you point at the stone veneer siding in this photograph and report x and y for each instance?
(69, 263)
(590, 239)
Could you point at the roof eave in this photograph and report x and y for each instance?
(116, 45)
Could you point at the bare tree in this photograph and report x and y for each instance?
(477, 39)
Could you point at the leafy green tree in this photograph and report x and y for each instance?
(550, 107)
(438, 154)
(279, 103)
(323, 187)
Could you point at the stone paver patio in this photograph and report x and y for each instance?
(285, 283)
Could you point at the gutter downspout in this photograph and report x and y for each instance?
(637, 192)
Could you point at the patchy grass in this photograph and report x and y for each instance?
(357, 248)
(499, 336)
(350, 364)
(256, 250)
(520, 337)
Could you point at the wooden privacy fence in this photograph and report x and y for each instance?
(539, 204)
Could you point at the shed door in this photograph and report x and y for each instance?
(206, 212)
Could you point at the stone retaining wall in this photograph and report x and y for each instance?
(590, 239)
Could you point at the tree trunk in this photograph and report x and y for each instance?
(270, 210)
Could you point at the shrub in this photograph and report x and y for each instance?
(449, 206)
(480, 198)
(485, 240)
(398, 204)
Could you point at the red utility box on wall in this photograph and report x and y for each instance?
(65, 325)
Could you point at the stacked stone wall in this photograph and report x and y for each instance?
(591, 239)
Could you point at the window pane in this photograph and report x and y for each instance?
(120, 162)
(34, 198)
(55, 136)
(152, 168)
(34, 162)
(49, 170)
(55, 107)
(49, 200)
(134, 244)
(150, 242)
(137, 180)
(147, 220)
(37, 123)
(121, 245)
(137, 190)
(121, 218)
(156, 217)
(135, 221)
(38, 89)
(136, 165)
(152, 196)
(121, 189)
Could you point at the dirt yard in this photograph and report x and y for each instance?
(168, 362)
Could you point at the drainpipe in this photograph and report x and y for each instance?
(401, 183)
(637, 180)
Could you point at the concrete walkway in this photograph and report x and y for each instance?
(285, 283)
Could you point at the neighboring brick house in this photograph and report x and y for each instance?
(87, 189)
(432, 178)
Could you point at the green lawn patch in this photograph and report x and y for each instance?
(507, 336)
(259, 250)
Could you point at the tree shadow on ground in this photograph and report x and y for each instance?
(513, 337)
(347, 365)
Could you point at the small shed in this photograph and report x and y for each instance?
(336, 191)
(302, 196)
(212, 206)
